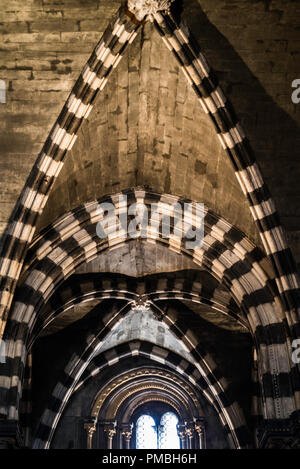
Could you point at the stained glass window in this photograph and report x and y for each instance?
(168, 436)
(146, 433)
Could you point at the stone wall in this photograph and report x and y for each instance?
(147, 128)
(44, 45)
(253, 46)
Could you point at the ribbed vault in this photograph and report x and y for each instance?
(223, 314)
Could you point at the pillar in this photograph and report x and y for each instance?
(90, 428)
(189, 431)
(126, 433)
(110, 430)
(199, 427)
(181, 430)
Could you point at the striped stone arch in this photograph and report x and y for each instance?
(151, 289)
(105, 57)
(225, 252)
(202, 375)
(187, 397)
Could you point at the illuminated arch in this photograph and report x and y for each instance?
(225, 252)
(81, 369)
(167, 435)
(146, 429)
(106, 56)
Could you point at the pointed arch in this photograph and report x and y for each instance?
(152, 289)
(86, 366)
(20, 230)
(106, 56)
(203, 80)
(225, 252)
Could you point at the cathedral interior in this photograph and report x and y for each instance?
(144, 114)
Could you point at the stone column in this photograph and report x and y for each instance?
(189, 431)
(126, 433)
(90, 429)
(110, 430)
(181, 430)
(199, 427)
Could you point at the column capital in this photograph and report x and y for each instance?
(181, 430)
(199, 426)
(126, 430)
(189, 429)
(90, 427)
(142, 8)
(110, 429)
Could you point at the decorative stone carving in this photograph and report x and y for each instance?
(110, 430)
(141, 372)
(181, 430)
(90, 428)
(199, 428)
(143, 8)
(126, 432)
(189, 431)
(140, 304)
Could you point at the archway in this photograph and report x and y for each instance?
(105, 57)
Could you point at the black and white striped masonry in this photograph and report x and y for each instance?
(21, 227)
(225, 252)
(106, 56)
(202, 78)
(238, 436)
(198, 288)
(204, 374)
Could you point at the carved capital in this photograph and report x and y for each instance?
(189, 432)
(181, 430)
(199, 426)
(126, 431)
(143, 8)
(141, 303)
(110, 429)
(90, 428)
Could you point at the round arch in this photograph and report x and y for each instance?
(143, 375)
